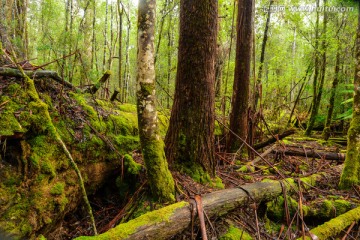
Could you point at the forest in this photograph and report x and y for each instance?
(179, 119)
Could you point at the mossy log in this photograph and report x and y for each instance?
(38, 186)
(11, 72)
(320, 209)
(336, 225)
(310, 153)
(167, 222)
(273, 139)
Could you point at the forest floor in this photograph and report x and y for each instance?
(120, 200)
(235, 172)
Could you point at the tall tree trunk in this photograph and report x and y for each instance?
(351, 172)
(258, 90)
(318, 88)
(94, 62)
(120, 12)
(190, 137)
(326, 131)
(125, 90)
(152, 146)
(240, 98)
(253, 120)
(169, 55)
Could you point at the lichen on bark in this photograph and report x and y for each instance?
(152, 146)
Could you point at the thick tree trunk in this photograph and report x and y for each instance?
(160, 178)
(350, 174)
(240, 98)
(190, 137)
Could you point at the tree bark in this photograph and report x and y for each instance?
(160, 178)
(326, 131)
(190, 137)
(240, 98)
(318, 89)
(350, 174)
(258, 90)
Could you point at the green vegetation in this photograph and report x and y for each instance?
(122, 231)
(234, 233)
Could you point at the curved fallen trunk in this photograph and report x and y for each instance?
(336, 225)
(168, 221)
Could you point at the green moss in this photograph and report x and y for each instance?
(125, 124)
(246, 169)
(132, 167)
(234, 233)
(48, 168)
(130, 108)
(336, 225)
(247, 177)
(195, 171)
(163, 123)
(41, 237)
(58, 188)
(126, 143)
(217, 183)
(160, 178)
(275, 208)
(123, 231)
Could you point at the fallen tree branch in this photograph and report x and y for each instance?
(273, 139)
(11, 72)
(312, 154)
(264, 154)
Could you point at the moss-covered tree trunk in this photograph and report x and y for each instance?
(190, 138)
(240, 98)
(326, 131)
(160, 178)
(350, 174)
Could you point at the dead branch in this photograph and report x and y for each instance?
(11, 72)
(273, 139)
(312, 154)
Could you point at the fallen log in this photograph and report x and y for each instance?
(273, 139)
(264, 154)
(11, 72)
(336, 225)
(168, 221)
(310, 153)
